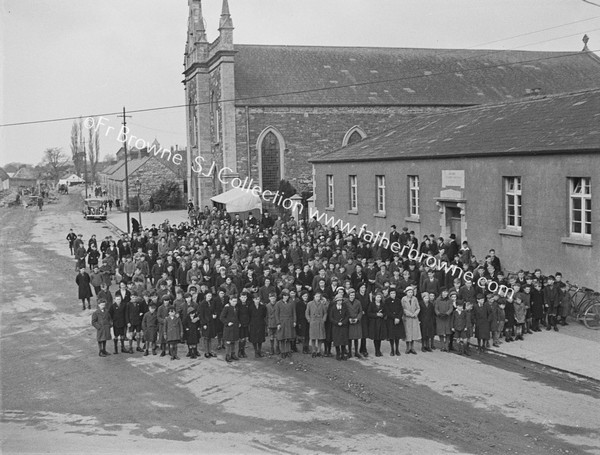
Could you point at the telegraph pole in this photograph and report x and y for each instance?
(124, 132)
(85, 169)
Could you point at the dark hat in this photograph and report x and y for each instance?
(452, 236)
(393, 226)
(480, 296)
(152, 305)
(166, 298)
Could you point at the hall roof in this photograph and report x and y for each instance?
(404, 76)
(553, 124)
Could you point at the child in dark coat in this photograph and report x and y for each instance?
(150, 328)
(173, 331)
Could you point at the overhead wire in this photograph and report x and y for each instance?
(354, 84)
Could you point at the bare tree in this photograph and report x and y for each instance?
(93, 150)
(55, 161)
(76, 137)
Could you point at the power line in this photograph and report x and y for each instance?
(320, 89)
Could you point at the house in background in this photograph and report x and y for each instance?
(152, 170)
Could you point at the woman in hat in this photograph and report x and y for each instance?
(395, 327)
(339, 317)
(285, 316)
(443, 322)
(410, 317)
(316, 314)
(427, 320)
(377, 323)
(365, 300)
(355, 314)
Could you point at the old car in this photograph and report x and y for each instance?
(94, 209)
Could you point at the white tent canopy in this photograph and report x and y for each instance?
(238, 200)
(71, 180)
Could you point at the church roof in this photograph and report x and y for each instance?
(407, 76)
(554, 124)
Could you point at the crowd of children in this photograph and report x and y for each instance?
(225, 283)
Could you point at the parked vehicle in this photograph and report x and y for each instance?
(94, 209)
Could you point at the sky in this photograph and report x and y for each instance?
(69, 58)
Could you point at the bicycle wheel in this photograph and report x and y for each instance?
(591, 317)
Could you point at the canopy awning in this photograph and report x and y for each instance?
(238, 200)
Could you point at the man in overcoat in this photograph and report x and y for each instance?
(102, 322)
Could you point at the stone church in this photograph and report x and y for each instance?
(263, 111)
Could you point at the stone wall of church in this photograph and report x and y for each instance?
(308, 132)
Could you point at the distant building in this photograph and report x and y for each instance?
(151, 169)
(264, 111)
(24, 178)
(522, 177)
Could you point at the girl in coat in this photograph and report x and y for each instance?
(231, 328)
(377, 323)
(83, 281)
(285, 316)
(102, 322)
(365, 300)
(316, 314)
(257, 325)
(410, 317)
(150, 328)
(443, 324)
(355, 314)
(395, 327)
(427, 320)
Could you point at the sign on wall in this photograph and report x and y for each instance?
(453, 178)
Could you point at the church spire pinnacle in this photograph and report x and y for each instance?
(225, 21)
(200, 30)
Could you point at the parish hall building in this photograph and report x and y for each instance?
(263, 111)
(522, 177)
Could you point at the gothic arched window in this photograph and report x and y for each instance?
(270, 150)
(353, 135)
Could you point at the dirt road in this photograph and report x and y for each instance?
(58, 396)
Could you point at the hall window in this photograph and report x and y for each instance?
(353, 196)
(353, 135)
(380, 202)
(413, 192)
(580, 207)
(512, 203)
(330, 191)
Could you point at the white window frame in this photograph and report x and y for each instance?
(330, 191)
(513, 190)
(353, 192)
(413, 196)
(380, 194)
(580, 189)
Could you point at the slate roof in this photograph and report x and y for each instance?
(553, 124)
(132, 166)
(469, 76)
(112, 168)
(25, 173)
